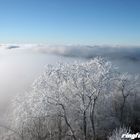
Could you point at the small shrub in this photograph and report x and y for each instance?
(117, 133)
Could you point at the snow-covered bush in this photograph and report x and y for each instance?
(117, 133)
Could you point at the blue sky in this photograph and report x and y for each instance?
(70, 21)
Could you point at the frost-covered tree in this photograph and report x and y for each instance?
(127, 86)
(83, 100)
(70, 92)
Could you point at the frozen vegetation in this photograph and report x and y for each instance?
(88, 100)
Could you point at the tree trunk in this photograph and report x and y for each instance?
(59, 128)
(85, 125)
(122, 111)
(67, 123)
(92, 119)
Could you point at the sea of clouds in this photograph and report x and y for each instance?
(21, 64)
(131, 53)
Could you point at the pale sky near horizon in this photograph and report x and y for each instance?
(70, 21)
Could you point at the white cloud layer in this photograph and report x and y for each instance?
(120, 52)
(111, 52)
